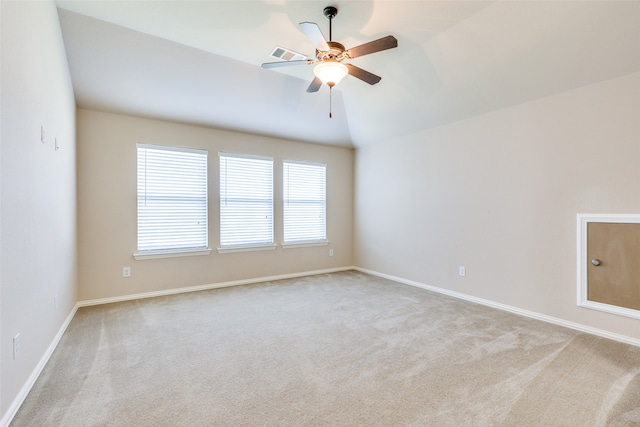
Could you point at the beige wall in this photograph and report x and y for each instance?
(499, 194)
(38, 183)
(107, 208)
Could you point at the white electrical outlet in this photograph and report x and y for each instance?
(16, 346)
(42, 135)
(126, 271)
(462, 271)
(330, 252)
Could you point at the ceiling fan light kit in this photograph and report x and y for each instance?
(330, 72)
(329, 56)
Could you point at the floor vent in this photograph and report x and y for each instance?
(287, 55)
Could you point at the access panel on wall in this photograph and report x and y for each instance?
(609, 258)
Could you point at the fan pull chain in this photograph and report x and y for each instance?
(330, 115)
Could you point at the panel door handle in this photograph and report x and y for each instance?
(596, 262)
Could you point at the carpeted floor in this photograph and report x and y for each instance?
(343, 349)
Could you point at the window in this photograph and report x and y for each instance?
(172, 199)
(305, 202)
(246, 201)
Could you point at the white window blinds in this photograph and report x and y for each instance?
(246, 201)
(172, 198)
(305, 202)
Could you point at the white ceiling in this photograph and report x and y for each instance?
(199, 61)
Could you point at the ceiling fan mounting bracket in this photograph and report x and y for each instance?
(330, 12)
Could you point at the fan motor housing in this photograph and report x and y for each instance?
(336, 51)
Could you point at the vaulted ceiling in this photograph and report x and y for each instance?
(198, 62)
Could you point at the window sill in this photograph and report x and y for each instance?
(305, 244)
(171, 254)
(232, 249)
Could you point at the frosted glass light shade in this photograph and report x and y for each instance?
(330, 72)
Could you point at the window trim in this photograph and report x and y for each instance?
(310, 242)
(306, 244)
(172, 252)
(253, 246)
(246, 248)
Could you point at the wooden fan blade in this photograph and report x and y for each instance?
(384, 43)
(363, 75)
(312, 31)
(285, 63)
(315, 85)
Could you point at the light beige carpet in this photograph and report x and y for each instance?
(344, 349)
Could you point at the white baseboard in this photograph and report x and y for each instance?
(504, 307)
(207, 287)
(26, 388)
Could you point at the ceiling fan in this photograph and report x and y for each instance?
(329, 56)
